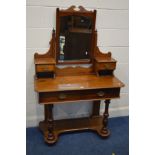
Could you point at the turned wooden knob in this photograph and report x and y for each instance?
(46, 69)
(100, 93)
(107, 66)
(62, 96)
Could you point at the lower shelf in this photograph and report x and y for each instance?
(70, 125)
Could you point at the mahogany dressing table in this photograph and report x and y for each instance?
(59, 78)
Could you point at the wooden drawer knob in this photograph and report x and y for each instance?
(101, 93)
(62, 96)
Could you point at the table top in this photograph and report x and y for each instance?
(84, 82)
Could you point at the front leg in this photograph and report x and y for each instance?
(104, 131)
(49, 135)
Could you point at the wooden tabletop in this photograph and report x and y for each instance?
(63, 83)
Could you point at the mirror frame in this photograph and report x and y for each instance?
(78, 11)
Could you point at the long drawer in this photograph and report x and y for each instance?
(78, 95)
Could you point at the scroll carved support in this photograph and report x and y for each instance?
(104, 130)
(98, 53)
(51, 53)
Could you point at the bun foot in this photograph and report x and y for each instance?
(104, 133)
(50, 138)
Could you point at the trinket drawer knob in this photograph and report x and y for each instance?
(107, 66)
(45, 68)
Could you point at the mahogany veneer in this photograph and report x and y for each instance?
(56, 84)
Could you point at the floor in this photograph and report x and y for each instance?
(83, 143)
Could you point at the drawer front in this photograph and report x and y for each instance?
(82, 95)
(106, 66)
(45, 68)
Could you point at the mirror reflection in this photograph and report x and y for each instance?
(75, 38)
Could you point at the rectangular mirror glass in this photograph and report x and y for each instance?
(75, 38)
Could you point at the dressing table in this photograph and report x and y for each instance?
(74, 70)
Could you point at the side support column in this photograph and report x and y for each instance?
(49, 135)
(96, 108)
(104, 131)
(46, 113)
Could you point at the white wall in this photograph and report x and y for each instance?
(112, 26)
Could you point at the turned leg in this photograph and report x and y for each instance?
(47, 126)
(96, 108)
(50, 125)
(43, 124)
(46, 112)
(104, 130)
